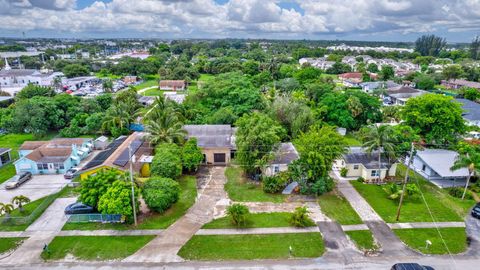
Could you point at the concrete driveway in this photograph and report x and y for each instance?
(37, 187)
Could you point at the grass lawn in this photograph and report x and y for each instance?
(362, 239)
(240, 190)
(351, 140)
(455, 239)
(336, 207)
(206, 77)
(443, 206)
(153, 92)
(255, 220)
(188, 194)
(9, 243)
(146, 84)
(253, 246)
(7, 172)
(97, 248)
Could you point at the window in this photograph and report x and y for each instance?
(276, 168)
(424, 167)
(42, 166)
(375, 173)
(355, 167)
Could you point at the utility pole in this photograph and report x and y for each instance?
(405, 182)
(131, 180)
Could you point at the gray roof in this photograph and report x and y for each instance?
(441, 160)
(465, 83)
(211, 135)
(17, 72)
(285, 154)
(357, 155)
(3, 98)
(4, 150)
(102, 139)
(471, 109)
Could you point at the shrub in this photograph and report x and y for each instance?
(343, 172)
(299, 217)
(118, 200)
(160, 193)
(237, 213)
(191, 155)
(361, 179)
(457, 192)
(276, 183)
(323, 185)
(167, 162)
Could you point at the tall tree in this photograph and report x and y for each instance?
(379, 139)
(469, 160)
(430, 45)
(20, 201)
(475, 48)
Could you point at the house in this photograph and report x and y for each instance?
(351, 79)
(217, 142)
(359, 163)
(100, 143)
(118, 155)
(49, 157)
(400, 94)
(173, 85)
(471, 111)
(178, 98)
(457, 83)
(5, 156)
(284, 156)
(130, 80)
(369, 87)
(435, 164)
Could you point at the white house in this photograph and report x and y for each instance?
(284, 156)
(359, 163)
(435, 164)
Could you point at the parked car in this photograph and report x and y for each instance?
(476, 211)
(18, 180)
(78, 208)
(410, 266)
(70, 173)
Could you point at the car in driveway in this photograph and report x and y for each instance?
(476, 211)
(71, 173)
(410, 266)
(78, 208)
(17, 180)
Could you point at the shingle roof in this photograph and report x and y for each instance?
(471, 109)
(172, 83)
(465, 83)
(441, 160)
(4, 150)
(211, 135)
(17, 72)
(357, 155)
(31, 145)
(285, 154)
(56, 150)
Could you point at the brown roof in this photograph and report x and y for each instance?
(402, 90)
(351, 75)
(172, 83)
(31, 145)
(465, 83)
(47, 154)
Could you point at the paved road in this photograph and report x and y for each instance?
(473, 232)
(165, 247)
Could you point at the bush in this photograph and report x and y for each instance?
(323, 185)
(457, 192)
(167, 162)
(192, 156)
(361, 179)
(237, 213)
(160, 193)
(300, 218)
(276, 183)
(343, 172)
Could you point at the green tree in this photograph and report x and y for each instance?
(257, 137)
(299, 217)
(192, 155)
(75, 70)
(435, 117)
(372, 67)
(470, 93)
(6, 209)
(20, 201)
(339, 68)
(475, 48)
(93, 187)
(118, 200)
(107, 86)
(117, 119)
(387, 73)
(424, 81)
(167, 161)
(379, 139)
(33, 90)
(165, 129)
(238, 214)
(160, 193)
(469, 160)
(453, 72)
(430, 45)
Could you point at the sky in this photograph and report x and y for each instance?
(370, 20)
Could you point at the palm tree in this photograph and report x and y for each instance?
(166, 129)
(7, 209)
(469, 161)
(380, 139)
(20, 200)
(117, 117)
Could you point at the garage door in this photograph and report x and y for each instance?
(219, 157)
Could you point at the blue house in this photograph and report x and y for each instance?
(50, 157)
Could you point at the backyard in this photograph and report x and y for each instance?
(252, 246)
(240, 189)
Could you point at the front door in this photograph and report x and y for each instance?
(51, 168)
(219, 158)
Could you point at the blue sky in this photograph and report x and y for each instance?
(390, 20)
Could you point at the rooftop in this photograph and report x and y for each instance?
(358, 155)
(441, 160)
(471, 109)
(285, 154)
(211, 135)
(4, 150)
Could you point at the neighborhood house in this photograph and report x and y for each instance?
(400, 94)
(284, 156)
(471, 111)
(458, 83)
(173, 85)
(5, 156)
(49, 157)
(359, 163)
(435, 164)
(217, 142)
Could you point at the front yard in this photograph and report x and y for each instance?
(98, 248)
(10, 243)
(443, 206)
(21, 220)
(455, 239)
(253, 246)
(362, 239)
(188, 193)
(240, 189)
(336, 207)
(255, 220)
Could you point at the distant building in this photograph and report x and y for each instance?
(400, 94)
(172, 85)
(351, 79)
(216, 141)
(359, 163)
(471, 111)
(130, 79)
(435, 164)
(456, 84)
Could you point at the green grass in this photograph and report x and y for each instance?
(251, 247)
(153, 92)
(338, 208)
(362, 239)
(443, 206)
(107, 76)
(255, 220)
(206, 77)
(351, 140)
(188, 194)
(7, 172)
(240, 190)
(29, 208)
(455, 239)
(9, 243)
(146, 84)
(96, 248)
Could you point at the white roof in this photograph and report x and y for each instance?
(102, 139)
(441, 160)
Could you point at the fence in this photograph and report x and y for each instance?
(16, 220)
(103, 218)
